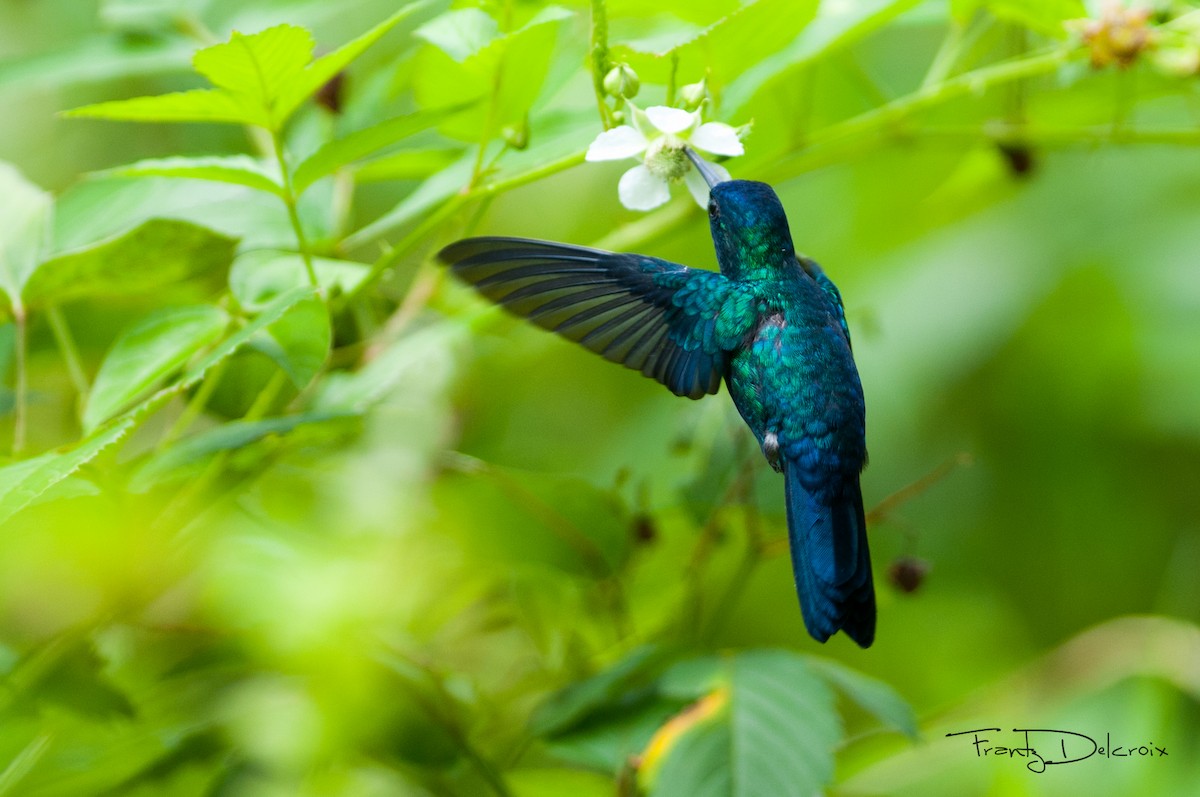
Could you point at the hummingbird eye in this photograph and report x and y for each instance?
(713, 211)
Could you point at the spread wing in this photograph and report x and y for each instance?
(657, 317)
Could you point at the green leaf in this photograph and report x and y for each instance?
(568, 707)
(101, 207)
(182, 459)
(258, 277)
(776, 736)
(359, 144)
(257, 65)
(519, 60)
(700, 764)
(460, 33)
(260, 79)
(404, 361)
(321, 71)
(25, 213)
(147, 353)
(197, 105)
(761, 28)
(605, 740)
(269, 315)
(22, 484)
(406, 164)
(299, 341)
(159, 253)
(872, 695)
(434, 191)
(235, 169)
(692, 678)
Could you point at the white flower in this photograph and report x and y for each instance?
(659, 135)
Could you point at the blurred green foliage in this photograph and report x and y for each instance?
(288, 512)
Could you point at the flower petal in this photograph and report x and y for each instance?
(717, 138)
(641, 190)
(698, 187)
(671, 120)
(612, 145)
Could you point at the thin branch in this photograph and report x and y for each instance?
(891, 503)
(70, 352)
(21, 346)
(395, 254)
(290, 200)
(599, 59)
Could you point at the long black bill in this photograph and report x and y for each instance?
(704, 167)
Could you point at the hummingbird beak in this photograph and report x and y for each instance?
(706, 170)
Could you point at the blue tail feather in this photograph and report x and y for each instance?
(830, 560)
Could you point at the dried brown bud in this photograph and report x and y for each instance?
(1018, 156)
(907, 573)
(329, 96)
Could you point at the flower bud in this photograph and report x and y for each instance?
(517, 135)
(692, 95)
(621, 81)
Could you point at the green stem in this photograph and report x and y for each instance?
(600, 66)
(21, 344)
(179, 511)
(531, 176)
(290, 200)
(1015, 102)
(672, 76)
(343, 202)
(442, 712)
(959, 38)
(393, 256)
(195, 406)
(24, 762)
(70, 353)
(191, 26)
(710, 534)
(1049, 136)
(390, 258)
(1126, 95)
(493, 110)
(266, 397)
(751, 558)
(896, 111)
(486, 770)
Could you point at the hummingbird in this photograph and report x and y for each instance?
(770, 325)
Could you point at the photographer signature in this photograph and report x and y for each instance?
(1045, 747)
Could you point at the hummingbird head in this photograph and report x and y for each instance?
(749, 228)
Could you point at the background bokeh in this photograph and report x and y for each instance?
(379, 603)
